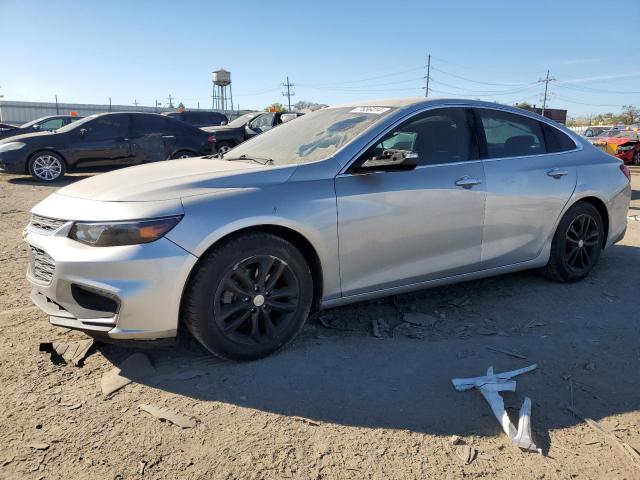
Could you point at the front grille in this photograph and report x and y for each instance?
(45, 224)
(41, 265)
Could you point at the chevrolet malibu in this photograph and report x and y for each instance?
(345, 204)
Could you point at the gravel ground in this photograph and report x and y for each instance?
(346, 399)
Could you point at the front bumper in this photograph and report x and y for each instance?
(125, 292)
(13, 161)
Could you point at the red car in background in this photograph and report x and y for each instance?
(629, 149)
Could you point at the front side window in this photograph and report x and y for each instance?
(437, 136)
(510, 135)
(108, 126)
(148, 124)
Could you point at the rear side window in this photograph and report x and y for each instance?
(556, 140)
(148, 124)
(511, 135)
(109, 126)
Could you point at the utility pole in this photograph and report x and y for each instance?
(428, 77)
(109, 103)
(1, 97)
(57, 109)
(157, 104)
(288, 93)
(546, 81)
(135, 102)
(198, 106)
(170, 98)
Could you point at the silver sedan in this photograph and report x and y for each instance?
(345, 204)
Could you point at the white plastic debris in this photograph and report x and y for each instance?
(490, 385)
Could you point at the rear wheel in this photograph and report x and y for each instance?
(576, 245)
(224, 147)
(183, 154)
(47, 167)
(249, 297)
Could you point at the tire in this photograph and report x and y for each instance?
(237, 312)
(636, 158)
(46, 167)
(576, 245)
(224, 147)
(183, 154)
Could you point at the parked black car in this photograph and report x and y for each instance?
(243, 128)
(102, 139)
(199, 119)
(43, 124)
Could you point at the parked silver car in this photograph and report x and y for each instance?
(345, 204)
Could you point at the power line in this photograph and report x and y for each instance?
(362, 80)
(478, 81)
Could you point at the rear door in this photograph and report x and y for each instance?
(404, 227)
(529, 179)
(103, 141)
(153, 137)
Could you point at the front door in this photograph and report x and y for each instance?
(529, 181)
(103, 141)
(403, 227)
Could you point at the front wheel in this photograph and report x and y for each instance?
(47, 167)
(249, 297)
(576, 245)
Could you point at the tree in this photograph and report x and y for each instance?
(275, 107)
(522, 105)
(181, 107)
(630, 114)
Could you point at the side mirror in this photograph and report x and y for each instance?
(36, 127)
(390, 160)
(83, 132)
(223, 123)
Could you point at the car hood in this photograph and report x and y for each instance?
(25, 136)
(175, 179)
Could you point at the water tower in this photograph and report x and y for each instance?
(222, 99)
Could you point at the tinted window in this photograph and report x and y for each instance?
(438, 136)
(511, 135)
(557, 141)
(263, 122)
(108, 126)
(148, 124)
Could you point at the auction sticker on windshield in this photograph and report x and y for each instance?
(374, 110)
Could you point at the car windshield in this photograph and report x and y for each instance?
(77, 123)
(609, 133)
(243, 120)
(312, 137)
(33, 122)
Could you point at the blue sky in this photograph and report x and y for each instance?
(334, 51)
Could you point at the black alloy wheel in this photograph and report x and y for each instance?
(248, 297)
(582, 242)
(256, 300)
(577, 244)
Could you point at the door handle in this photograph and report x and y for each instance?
(467, 182)
(557, 173)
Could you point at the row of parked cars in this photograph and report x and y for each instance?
(49, 147)
(621, 142)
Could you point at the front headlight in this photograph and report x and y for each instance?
(7, 147)
(109, 234)
(626, 148)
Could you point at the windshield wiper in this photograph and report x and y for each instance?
(260, 160)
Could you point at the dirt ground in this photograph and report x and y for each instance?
(340, 402)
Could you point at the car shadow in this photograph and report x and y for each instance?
(580, 335)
